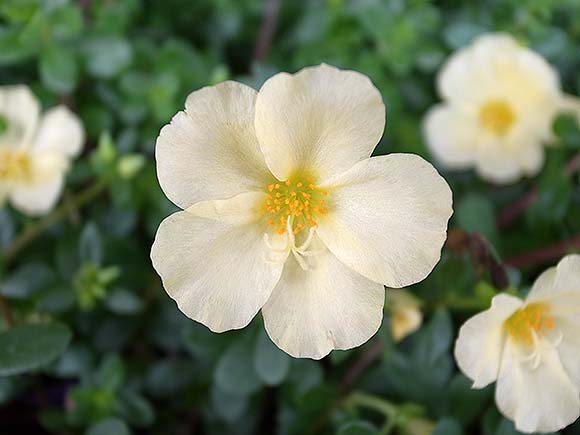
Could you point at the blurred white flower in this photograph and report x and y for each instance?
(35, 151)
(284, 210)
(532, 349)
(500, 100)
(405, 313)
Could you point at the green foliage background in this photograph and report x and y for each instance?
(99, 348)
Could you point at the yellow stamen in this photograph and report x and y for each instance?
(293, 199)
(497, 116)
(533, 319)
(14, 165)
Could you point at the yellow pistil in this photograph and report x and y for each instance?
(297, 198)
(533, 319)
(497, 116)
(14, 165)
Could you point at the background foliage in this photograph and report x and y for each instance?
(95, 346)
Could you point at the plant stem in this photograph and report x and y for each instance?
(6, 312)
(510, 213)
(378, 404)
(75, 202)
(545, 254)
(267, 29)
(361, 365)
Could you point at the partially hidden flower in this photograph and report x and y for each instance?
(284, 211)
(405, 313)
(531, 349)
(35, 150)
(500, 100)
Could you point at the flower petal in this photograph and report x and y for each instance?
(479, 346)
(37, 198)
(562, 281)
(387, 218)
(21, 110)
(539, 399)
(61, 131)
(321, 118)
(312, 312)
(569, 348)
(494, 164)
(210, 151)
(451, 136)
(215, 265)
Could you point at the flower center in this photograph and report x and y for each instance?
(527, 323)
(497, 116)
(14, 165)
(297, 199)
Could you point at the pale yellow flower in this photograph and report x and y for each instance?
(531, 348)
(285, 212)
(500, 100)
(35, 150)
(405, 313)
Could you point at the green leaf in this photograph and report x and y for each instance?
(111, 373)
(29, 347)
(168, 377)
(13, 48)
(18, 10)
(66, 22)
(109, 426)
(466, 403)
(91, 244)
(448, 426)
(357, 428)
(271, 364)
(475, 213)
(58, 69)
(135, 409)
(235, 372)
(27, 280)
(108, 56)
(122, 301)
(229, 407)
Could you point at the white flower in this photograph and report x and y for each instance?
(532, 349)
(284, 211)
(500, 100)
(405, 313)
(35, 151)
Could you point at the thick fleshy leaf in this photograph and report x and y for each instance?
(329, 306)
(60, 131)
(387, 218)
(216, 270)
(28, 347)
(210, 151)
(321, 119)
(539, 399)
(481, 339)
(20, 110)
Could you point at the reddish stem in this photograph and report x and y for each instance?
(510, 213)
(545, 254)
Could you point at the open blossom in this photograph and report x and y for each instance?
(35, 150)
(531, 349)
(284, 211)
(500, 100)
(405, 313)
